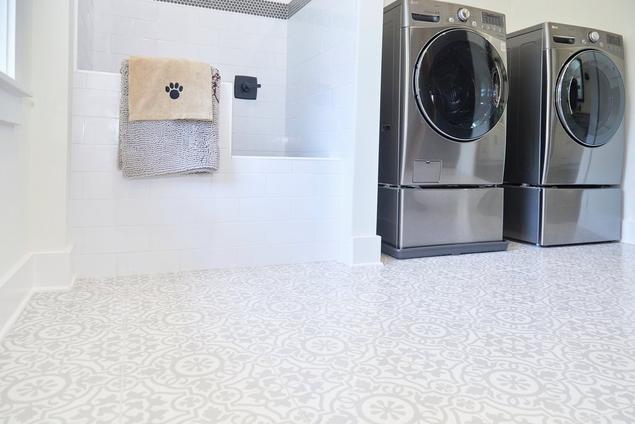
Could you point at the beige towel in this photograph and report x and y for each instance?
(169, 89)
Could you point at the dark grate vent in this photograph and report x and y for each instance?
(269, 9)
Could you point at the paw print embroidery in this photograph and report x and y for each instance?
(174, 90)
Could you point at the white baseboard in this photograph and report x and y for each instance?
(36, 271)
(15, 290)
(54, 270)
(628, 232)
(363, 251)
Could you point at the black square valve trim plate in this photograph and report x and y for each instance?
(246, 88)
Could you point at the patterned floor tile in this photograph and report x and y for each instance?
(528, 336)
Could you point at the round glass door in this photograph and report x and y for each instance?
(590, 98)
(461, 85)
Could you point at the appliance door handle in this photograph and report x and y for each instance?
(569, 96)
(499, 92)
(498, 82)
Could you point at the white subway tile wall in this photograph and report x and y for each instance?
(304, 64)
(321, 69)
(254, 211)
(237, 44)
(86, 42)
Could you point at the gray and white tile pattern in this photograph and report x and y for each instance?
(528, 336)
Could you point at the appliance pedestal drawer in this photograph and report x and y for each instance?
(562, 216)
(440, 220)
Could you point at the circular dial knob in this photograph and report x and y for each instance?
(464, 14)
(594, 36)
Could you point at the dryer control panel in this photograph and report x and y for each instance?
(562, 35)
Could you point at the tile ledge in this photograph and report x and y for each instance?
(298, 158)
(11, 86)
(90, 71)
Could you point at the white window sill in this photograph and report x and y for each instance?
(10, 86)
(11, 101)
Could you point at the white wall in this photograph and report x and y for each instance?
(362, 245)
(333, 106)
(49, 134)
(356, 29)
(236, 44)
(13, 177)
(16, 277)
(321, 76)
(34, 138)
(86, 27)
(14, 150)
(611, 15)
(254, 211)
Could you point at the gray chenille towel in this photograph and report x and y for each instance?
(174, 147)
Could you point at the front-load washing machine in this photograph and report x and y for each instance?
(565, 152)
(443, 125)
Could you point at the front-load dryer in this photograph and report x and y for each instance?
(565, 153)
(443, 126)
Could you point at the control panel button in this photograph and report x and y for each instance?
(464, 14)
(594, 36)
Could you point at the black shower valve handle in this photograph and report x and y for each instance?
(247, 87)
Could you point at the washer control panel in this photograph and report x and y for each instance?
(427, 13)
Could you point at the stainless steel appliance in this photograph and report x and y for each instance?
(565, 149)
(443, 117)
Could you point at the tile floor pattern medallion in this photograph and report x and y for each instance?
(528, 336)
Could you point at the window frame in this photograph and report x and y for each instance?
(7, 37)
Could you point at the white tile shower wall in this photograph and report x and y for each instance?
(253, 211)
(235, 43)
(321, 68)
(85, 27)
